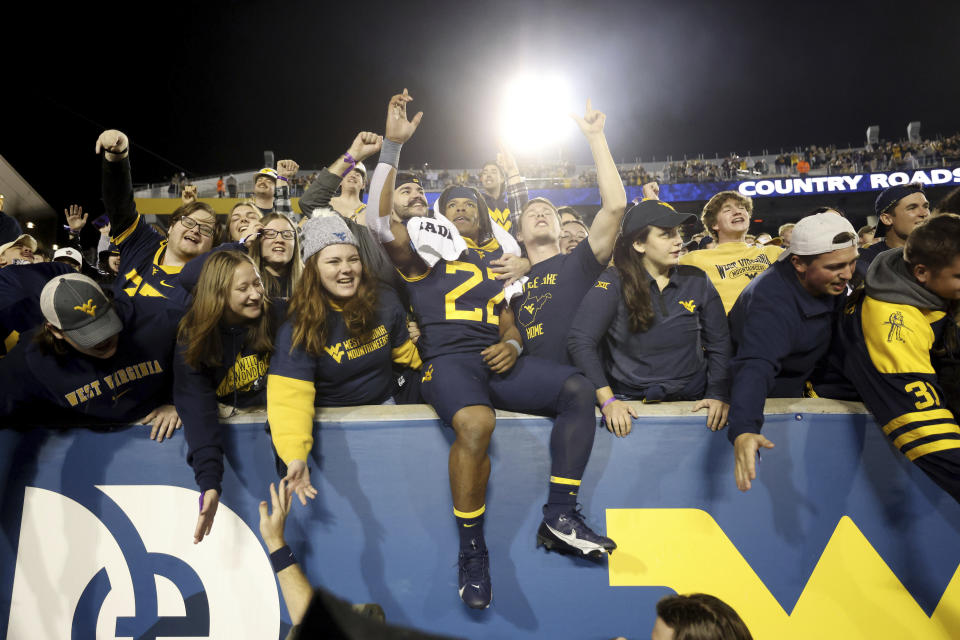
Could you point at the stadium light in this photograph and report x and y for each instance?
(534, 113)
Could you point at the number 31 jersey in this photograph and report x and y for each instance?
(458, 303)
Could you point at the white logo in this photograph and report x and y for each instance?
(127, 568)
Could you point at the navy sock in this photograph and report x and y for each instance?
(470, 528)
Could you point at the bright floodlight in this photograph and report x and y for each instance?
(535, 112)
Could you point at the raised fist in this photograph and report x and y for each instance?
(365, 145)
(113, 141)
(287, 168)
(189, 194)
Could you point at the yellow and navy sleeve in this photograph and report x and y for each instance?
(290, 398)
(403, 352)
(901, 387)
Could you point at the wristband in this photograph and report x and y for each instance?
(282, 178)
(606, 402)
(350, 161)
(516, 345)
(282, 558)
(390, 152)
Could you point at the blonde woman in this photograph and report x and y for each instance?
(223, 352)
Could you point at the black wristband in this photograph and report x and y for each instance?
(282, 558)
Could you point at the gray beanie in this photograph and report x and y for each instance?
(319, 233)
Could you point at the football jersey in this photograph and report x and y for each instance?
(458, 302)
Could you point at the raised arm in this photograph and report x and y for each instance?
(117, 182)
(516, 188)
(391, 231)
(286, 169)
(322, 189)
(613, 197)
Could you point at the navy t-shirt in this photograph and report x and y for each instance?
(551, 297)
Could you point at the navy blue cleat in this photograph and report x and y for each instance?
(475, 588)
(566, 532)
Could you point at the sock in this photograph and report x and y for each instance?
(470, 527)
(563, 494)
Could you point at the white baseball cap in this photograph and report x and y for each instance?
(69, 252)
(814, 235)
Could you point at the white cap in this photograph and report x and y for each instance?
(69, 252)
(814, 235)
(23, 239)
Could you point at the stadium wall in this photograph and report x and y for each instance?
(840, 536)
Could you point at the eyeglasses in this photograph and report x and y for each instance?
(272, 233)
(190, 223)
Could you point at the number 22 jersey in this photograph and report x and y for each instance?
(458, 302)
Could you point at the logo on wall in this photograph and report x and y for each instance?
(124, 565)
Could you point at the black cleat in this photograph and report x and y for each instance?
(567, 533)
(475, 588)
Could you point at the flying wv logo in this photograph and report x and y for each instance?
(119, 566)
(852, 593)
(87, 307)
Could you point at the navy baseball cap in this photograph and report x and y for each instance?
(653, 213)
(889, 198)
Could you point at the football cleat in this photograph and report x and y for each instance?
(566, 532)
(475, 588)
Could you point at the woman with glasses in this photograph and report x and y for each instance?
(276, 253)
(337, 347)
(223, 351)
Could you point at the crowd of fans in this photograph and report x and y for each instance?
(884, 156)
(490, 299)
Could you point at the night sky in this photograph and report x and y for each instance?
(208, 87)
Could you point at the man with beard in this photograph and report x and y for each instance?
(271, 189)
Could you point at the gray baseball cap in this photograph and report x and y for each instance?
(75, 304)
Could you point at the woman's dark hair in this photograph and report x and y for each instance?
(49, 343)
(700, 616)
(310, 306)
(634, 280)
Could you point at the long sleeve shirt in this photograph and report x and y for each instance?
(350, 372)
(142, 273)
(239, 380)
(687, 343)
(780, 333)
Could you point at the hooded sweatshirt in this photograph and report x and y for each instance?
(889, 335)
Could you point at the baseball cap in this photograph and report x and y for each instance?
(23, 239)
(405, 177)
(268, 172)
(76, 305)
(653, 212)
(323, 231)
(889, 198)
(814, 235)
(68, 252)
